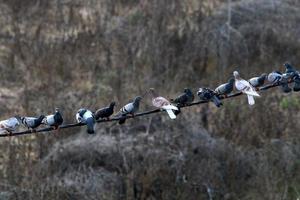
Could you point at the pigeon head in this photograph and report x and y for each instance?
(20, 119)
(112, 104)
(231, 81)
(287, 65)
(187, 90)
(200, 91)
(236, 74)
(152, 92)
(137, 99)
(263, 76)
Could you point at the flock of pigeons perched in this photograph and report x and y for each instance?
(172, 106)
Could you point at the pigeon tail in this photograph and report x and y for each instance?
(171, 113)
(90, 125)
(217, 101)
(251, 92)
(251, 100)
(122, 119)
(40, 119)
(285, 88)
(169, 107)
(297, 84)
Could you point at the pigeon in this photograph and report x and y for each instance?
(225, 88)
(86, 116)
(289, 69)
(274, 77)
(207, 94)
(105, 112)
(32, 122)
(185, 98)
(245, 87)
(129, 108)
(54, 120)
(163, 103)
(258, 81)
(277, 77)
(9, 125)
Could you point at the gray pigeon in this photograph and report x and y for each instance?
(32, 122)
(258, 81)
(185, 98)
(130, 108)
(277, 77)
(225, 88)
(289, 69)
(86, 116)
(274, 77)
(209, 95)
(54, 120)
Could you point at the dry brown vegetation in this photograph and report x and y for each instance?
(86, 53)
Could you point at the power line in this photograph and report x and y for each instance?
(65, 126)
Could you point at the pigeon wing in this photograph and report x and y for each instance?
(49, 120)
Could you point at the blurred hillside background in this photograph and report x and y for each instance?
(86, 53)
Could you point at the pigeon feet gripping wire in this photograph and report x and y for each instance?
(207, 94)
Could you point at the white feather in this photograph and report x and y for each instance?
(49, 120)
(251, 100)
(87, 114)
(171, 113)
(127, 108)
(251, 92)
(169, 107)
(246, 87)
(78, 118)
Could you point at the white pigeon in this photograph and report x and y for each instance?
(163, 103)
(245, 87)
(9, 125)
